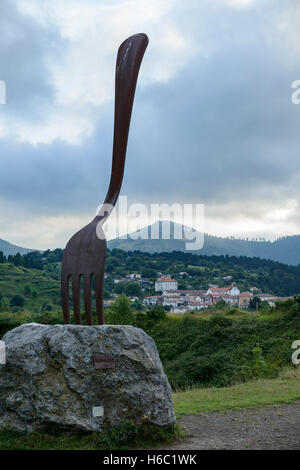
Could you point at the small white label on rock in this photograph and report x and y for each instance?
(98, 411)
(2, 353)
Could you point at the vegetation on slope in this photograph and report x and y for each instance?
(269, 276)
(220, 348)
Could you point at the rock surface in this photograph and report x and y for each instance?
(49, 381)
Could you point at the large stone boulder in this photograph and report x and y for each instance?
(51, 382)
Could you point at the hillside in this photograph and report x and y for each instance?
(10, 249)
(285, 250)
(29, 290)
(192, 271)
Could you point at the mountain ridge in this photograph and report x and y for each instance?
(284, 250)
(8, 248)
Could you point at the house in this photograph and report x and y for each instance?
(172, 301)
(195, 305)
(229, 290)
(165, 282)
(264, 297)
(229, 299)
(244, 299)
(151, 300)
(172, 293)
(134, 276)
(145, 283)
(180, 309)
(272, 300)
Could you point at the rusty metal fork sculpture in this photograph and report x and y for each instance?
(85, 252)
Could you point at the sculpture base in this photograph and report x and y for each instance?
(81, 378)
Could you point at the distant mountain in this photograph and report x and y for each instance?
(285, 250)
(10, 249)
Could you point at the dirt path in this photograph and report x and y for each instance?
(263, 428)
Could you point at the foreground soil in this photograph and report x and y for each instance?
(270, 428)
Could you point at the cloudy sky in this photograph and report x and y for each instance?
(213, 118)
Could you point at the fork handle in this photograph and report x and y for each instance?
(130, 55)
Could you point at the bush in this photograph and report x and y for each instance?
(17, 301)
(214, 350)
(220, 351)
(27, 290)
(4, 305)
(120, 312)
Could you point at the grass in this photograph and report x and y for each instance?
(121, 437)
(262, 392)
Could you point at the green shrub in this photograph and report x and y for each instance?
(120, 312)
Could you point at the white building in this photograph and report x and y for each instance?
(166, 283)
(171, 302)
(229, 290)
(134, 276)
(180, 309)
(151, 300)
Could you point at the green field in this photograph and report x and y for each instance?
(253, 394)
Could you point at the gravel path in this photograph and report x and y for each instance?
(262, 428)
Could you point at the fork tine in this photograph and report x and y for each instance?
(87, 289)
(76, 298)
(99, 297)
(65, 298)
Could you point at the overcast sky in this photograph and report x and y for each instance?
(213, 119)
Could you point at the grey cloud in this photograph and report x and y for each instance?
(222, 130)
(25, 48)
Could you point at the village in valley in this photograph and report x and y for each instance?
(181, 301)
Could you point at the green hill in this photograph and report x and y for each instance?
(24, 289)
(41, 272)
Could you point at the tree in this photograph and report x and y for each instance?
(27, 290)
(120, 312)
(17, 301)
(133, 289)
(17, 260)
(156, 314)
(106, 294)
(4, 305)
(255, 303)
(119, 288)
